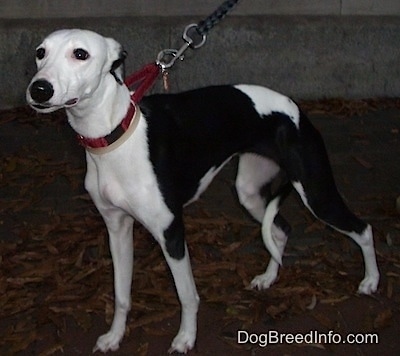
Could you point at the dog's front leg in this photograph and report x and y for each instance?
(177, 256)
(189, 299)
(119, 226)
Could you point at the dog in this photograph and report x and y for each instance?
(174, 146)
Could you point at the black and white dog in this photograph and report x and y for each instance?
(168, 153)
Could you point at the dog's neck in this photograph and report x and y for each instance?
(98, 115)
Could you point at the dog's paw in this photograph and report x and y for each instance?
(182, 343)
(263, 281)
(108, 342)
(368, 285)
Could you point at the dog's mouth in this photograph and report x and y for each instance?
(71, 102)
(47, 107)
(44, 108)
(40, 107)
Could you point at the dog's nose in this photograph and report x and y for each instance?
(41, 91)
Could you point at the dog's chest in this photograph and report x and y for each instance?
(125, 179)
(121, 182)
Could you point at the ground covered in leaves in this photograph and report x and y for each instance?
(56, 270)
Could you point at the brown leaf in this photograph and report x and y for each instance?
(155, 331)
(23, 342)
(389, 290)
(154, 317)
(232, 247)
(142, 350)
(274, 311)
(53, 349)
(324, 320)
(334, 300)
(83, 319)
(315, 226)
(363, 162)
(313, 303)
(383, 319)
(52, 249)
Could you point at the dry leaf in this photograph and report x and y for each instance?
(142, 349)
(334, 300)
(324, 320)
(313, 303)
(274, 311)
(154, 317)
(53, 349)
(383, 319)
(363, 162)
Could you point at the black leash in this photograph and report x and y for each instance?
(194, 35)
(208, 23)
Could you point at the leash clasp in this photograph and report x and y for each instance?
(189, 36)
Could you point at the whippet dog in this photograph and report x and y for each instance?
(169, 151)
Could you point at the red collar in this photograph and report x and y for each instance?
(146, 78)
(113, 136)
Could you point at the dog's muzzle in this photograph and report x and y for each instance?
(40, 93)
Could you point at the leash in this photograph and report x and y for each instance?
(194, 36)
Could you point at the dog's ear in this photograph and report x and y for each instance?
(117, 56)
(118, 64)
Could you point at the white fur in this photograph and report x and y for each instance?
(270, 214)
(267, 101)
(254, 172)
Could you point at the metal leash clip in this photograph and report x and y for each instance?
(176, 54)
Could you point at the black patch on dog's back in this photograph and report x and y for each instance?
(191, 132)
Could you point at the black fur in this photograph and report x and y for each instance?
(191, 132)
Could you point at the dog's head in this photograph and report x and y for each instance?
(71, 65)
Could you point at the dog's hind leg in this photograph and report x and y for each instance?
(255, 174)
(312, 177)
(120, 229)
(336, 214)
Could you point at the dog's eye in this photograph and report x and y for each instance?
(40, 53)
(81, 54)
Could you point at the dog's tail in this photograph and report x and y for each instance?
(269, 216)
(271, 212)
